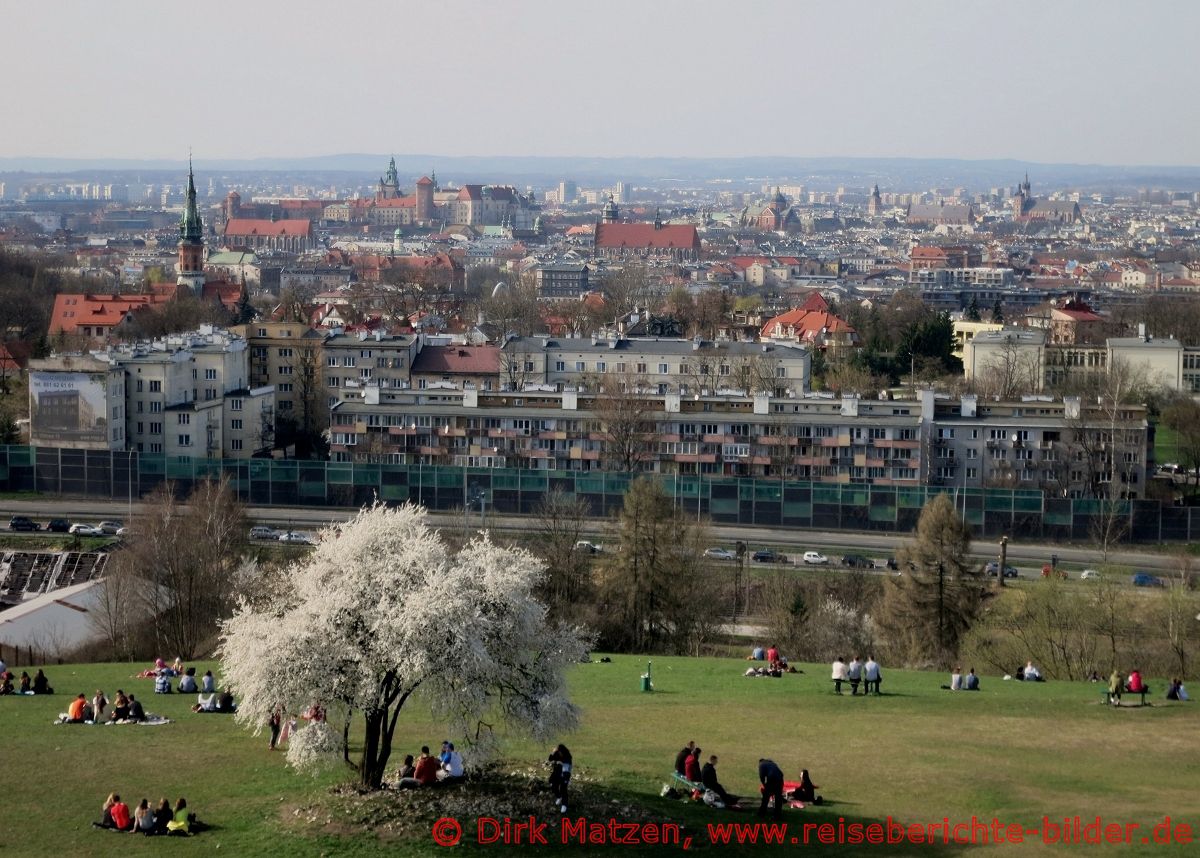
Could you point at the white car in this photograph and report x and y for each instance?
(85, 530)
(720, 554)
(815, 558)
(292, 537)
(1089, 575)
(588, 547)
(124, 532)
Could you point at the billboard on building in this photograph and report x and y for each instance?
(67, 407)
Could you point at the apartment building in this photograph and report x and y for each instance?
(695, 367)
(354, 361)
(289, 356)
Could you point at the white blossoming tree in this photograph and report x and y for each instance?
(379, 615)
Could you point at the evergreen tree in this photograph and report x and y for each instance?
(998, 312)
(973, 310)
(927, 609)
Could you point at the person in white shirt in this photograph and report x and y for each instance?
(956, 679)
(1031, 673)
(839, 674)
(871, 675)
(854, 674)
(452, 768)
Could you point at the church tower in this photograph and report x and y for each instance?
(875, 204)
(191, 242)
(1021, 199)
(389, 185)
(609, 213)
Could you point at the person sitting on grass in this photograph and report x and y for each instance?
(163, 816)
(225, 702)
(162, 681)
(1115, 687)
(25, 683)
(452, 767)
(136, 713)
(406, 776)
(182, 823)
(205, 703)
(117, 812)
(1030, 673)
(6, 684)
(187, 685)
(807, 791)
(41, 685)
(971, 681)
(708, 777)
(120, 707)
(75, 710)
(1174, 689)
(99, 704)
(425, 772)
(143, 817)
(772, 657)
(956, 680)
(106, 815)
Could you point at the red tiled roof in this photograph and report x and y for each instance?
(457, 360)
(424, 180)
(646, 235)
(397, 203)
(72, 311)
(805, 323)
(262, 226)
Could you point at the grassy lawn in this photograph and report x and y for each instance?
(918, 754)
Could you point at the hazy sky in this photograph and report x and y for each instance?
(1047, 80)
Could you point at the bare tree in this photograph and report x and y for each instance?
(630, 288)
(626, 417)
(560, 525)
(1011, 372)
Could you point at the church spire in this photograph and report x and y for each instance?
(191, 228)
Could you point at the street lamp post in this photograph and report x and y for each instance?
(1003, 561)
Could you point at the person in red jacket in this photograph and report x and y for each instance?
(120, 814)
(1136, 686)
(75, 710)
(427, 767)
(691, 766)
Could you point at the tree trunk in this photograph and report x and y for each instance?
(374, 757)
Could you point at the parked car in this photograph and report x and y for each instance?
(1089, 575)
(261, 532)
(58, 525)
(124, 532)
(589, 547)
(1009, 571)
(292, 537)
(857, 561)
(766, 555)
(1145, 579)
(23, 522)
(720, 554)
(81, 529)
(110, 528)
(815, 558)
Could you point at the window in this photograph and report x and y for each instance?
(600, 366)
(155, 407)
(334, 381)
(781, 372)
(139, 385)
(349, 360)
(286, 404)
(235, 444)
(528, 366)
(723, 369)
(183, 419)
(946, 434)
(235, 405)
(210, 375)
(235, 424)
(262, 332)
(641, 369)
(285, 353)
(156, 386)
(139, 429)
(185, 440)
(195, 374)
(332, 361)
(155, 447)
(877, 434)
(285, 370)
(580, 366)
(284, 388)
(365, 353)
(662, 369)
(156, 428)
(560, 366)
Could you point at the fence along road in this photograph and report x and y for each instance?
(313, 518)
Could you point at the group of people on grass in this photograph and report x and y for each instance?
(774, 789)
(10, 684)
(1029, 673)
(857, 672)
(703, 776)
(776, 664)
(143, 819)
(427, 770)
(126, 709)
(958, 682)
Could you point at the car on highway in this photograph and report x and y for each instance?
(1145, 579)
(589, 547)
(720, 554)
(1089, 575)
(815, 558)
(293, 537)
(857, 561)
(767, 555)
(23, 522)
(81, 529)
(124, 532)
(1009, 571)
(110, 528)
(58, 525)
(263, 532)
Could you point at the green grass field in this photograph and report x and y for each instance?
(1014, 751)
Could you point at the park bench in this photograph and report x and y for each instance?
(683, 783)
(1142, 694)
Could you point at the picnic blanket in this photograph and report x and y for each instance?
(151, 721)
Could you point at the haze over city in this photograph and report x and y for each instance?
(1078, 82)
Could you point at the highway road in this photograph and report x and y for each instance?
(1028, 556)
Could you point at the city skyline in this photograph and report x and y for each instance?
(929, 80)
